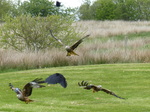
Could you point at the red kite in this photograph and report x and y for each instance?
(27, 90)
(70, 49)
(24, 94)
(97, 88)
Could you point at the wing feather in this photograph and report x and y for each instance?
(78, 42)
(56, 38)
(27, 90)
(111, 93)
(83, 83)
(57, 78)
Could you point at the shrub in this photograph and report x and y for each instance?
(32, 33)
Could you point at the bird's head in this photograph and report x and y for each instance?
(67, 47)
(99, 86)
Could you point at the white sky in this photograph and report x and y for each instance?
(72, 3)
(69, 3)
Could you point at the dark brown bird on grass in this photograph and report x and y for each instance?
(70, 49)
(24, 94)
(97, 88)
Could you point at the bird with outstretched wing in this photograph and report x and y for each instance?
(56, 78)
(70, 49)
(85, 85)
(24, 94)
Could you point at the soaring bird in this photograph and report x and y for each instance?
(97, 88)
(24, 94)
(56, 78)
(70, 49)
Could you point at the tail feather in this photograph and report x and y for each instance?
(28, 101)
(71, 53)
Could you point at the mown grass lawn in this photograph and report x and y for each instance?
(130, 81)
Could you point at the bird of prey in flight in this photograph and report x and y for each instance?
(85, 85)
(24, 94)
(56, 78)
(70, 49)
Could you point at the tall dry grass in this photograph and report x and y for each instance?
(112, 28)
(92, 51)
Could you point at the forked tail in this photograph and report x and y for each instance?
(71, 53)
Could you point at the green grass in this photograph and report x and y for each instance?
(130, 36)
(131, 81)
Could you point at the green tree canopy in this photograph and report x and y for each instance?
(38, 7)
(41, 8)
(115, 10)
(5, 7)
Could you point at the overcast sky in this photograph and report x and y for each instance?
(69, 3)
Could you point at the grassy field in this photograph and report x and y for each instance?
(131, 81)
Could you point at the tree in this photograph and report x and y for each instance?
(32, 33)
(116, 10)
(105, 10)
(5, 7)
(43, 8)
(84, 11)
(143, 9)
(38, 7)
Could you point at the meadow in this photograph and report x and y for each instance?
(109, 42)
(116, 56)
(130, 81)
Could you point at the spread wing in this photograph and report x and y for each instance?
(11, 86)
(97, 88)
(16, 90)
(27, 89)
(111, 93)
(86, 85)
(83, 84)
(57, 78)
(78, 42)
(56, 38)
